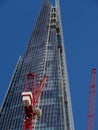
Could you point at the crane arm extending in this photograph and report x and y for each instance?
(30, 100)
(91, 103)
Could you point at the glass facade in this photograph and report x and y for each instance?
(44, 55)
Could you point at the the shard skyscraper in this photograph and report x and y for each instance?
(44, 55)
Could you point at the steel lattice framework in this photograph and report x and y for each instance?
(30, 100)
(91, 101)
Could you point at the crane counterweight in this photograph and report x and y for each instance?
(30, 100)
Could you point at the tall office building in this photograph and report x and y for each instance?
(44, 55)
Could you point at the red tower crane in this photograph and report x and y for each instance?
(30, 100)
(91, 101)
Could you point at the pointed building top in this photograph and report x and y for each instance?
(57, 3)
(46, 1)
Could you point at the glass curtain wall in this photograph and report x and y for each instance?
(44, 55)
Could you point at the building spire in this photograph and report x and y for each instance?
(57, 3)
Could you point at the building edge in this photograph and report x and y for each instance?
(57, 3)
(19, 59)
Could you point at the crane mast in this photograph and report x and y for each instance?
(30, 100)
(91, 101)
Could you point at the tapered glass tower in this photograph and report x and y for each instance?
(44, 55)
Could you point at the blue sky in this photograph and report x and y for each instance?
(80, 26)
